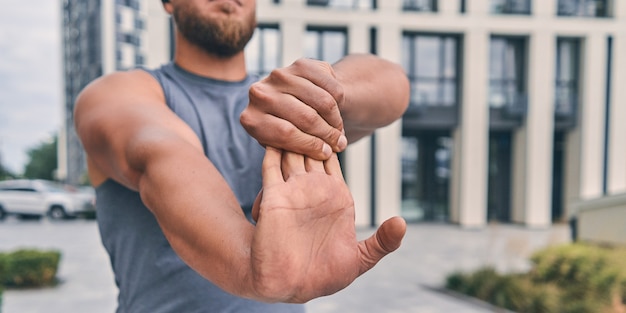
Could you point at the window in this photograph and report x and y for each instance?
(420, 5)
(588, 8)
(263, 50)
(431, 62)
(326, 44)
(567, 68)
(507, 86)
(510, 6)
(344, 4)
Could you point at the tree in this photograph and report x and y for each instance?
(5, 173)
(43, 160)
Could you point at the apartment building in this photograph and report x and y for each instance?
(99, 37)
(516, 109)
(516, 105)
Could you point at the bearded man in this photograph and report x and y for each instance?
(218, 193)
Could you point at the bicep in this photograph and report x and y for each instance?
(118, 116)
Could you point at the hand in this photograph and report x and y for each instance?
(297, 109)
(305, 243)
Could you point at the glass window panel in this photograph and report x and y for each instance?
(510, 65)
(449, 70)
(449, 93)
(334, 46)
(406, 54)
(420, 5)
(271, 43)
(311, 45)
(427, 92)
(252, 53)
(496, 66)
(428, 56)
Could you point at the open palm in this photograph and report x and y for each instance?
(305, 243)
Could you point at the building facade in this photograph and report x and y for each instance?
(99, 37)
(515, 104)
(516, 108)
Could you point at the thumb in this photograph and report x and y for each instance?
(386, 240)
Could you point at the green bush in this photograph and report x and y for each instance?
(567, 279)
(29, 268)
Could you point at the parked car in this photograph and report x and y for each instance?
(37, 198)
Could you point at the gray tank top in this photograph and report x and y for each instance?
(151, 278)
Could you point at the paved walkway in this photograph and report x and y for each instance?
(402, 282)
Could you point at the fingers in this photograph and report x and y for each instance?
(333, 167)
(292, 164)
(299, 104)
(312, 165)
(310, 110)
(271, 169)
(386, 240)
(272, 131)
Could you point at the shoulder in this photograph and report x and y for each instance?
(118, 87)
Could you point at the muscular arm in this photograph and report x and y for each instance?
(132, 137)
(376, 93)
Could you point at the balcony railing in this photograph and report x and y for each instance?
(420, 5)
(584, 8)
(510, 6)
(512, 104)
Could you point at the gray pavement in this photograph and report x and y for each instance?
(401, 282)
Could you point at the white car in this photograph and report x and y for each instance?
(36, 198)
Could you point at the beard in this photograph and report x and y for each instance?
(222, 37)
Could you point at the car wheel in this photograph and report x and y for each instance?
(57, 212)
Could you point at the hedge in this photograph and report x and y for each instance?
(29, 268)
(575, 278)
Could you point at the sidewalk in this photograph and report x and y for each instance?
(402, 282)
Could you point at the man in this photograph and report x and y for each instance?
(173, 167)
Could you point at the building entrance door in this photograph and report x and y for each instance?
(426, 159)
(499, 176)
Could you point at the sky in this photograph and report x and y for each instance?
(30, 77)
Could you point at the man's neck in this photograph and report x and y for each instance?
(199, 62)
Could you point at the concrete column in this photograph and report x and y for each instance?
(592, 115)
(388, 140)
(358, 36)
(449, 7)
(617, 131)
(108, 36)
(540, 130)
(358, 155)
(455, 181)
(544, 8)
(292, 40)
(357, 172)
(619, 10)
(158, 35)
(473, 133)
(519, 170)
(390, 5)
(477, 7)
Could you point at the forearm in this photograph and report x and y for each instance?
(376, 93)
(199, 215)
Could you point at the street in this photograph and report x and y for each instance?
(402, 282)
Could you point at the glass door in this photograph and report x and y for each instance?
(426, 160)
